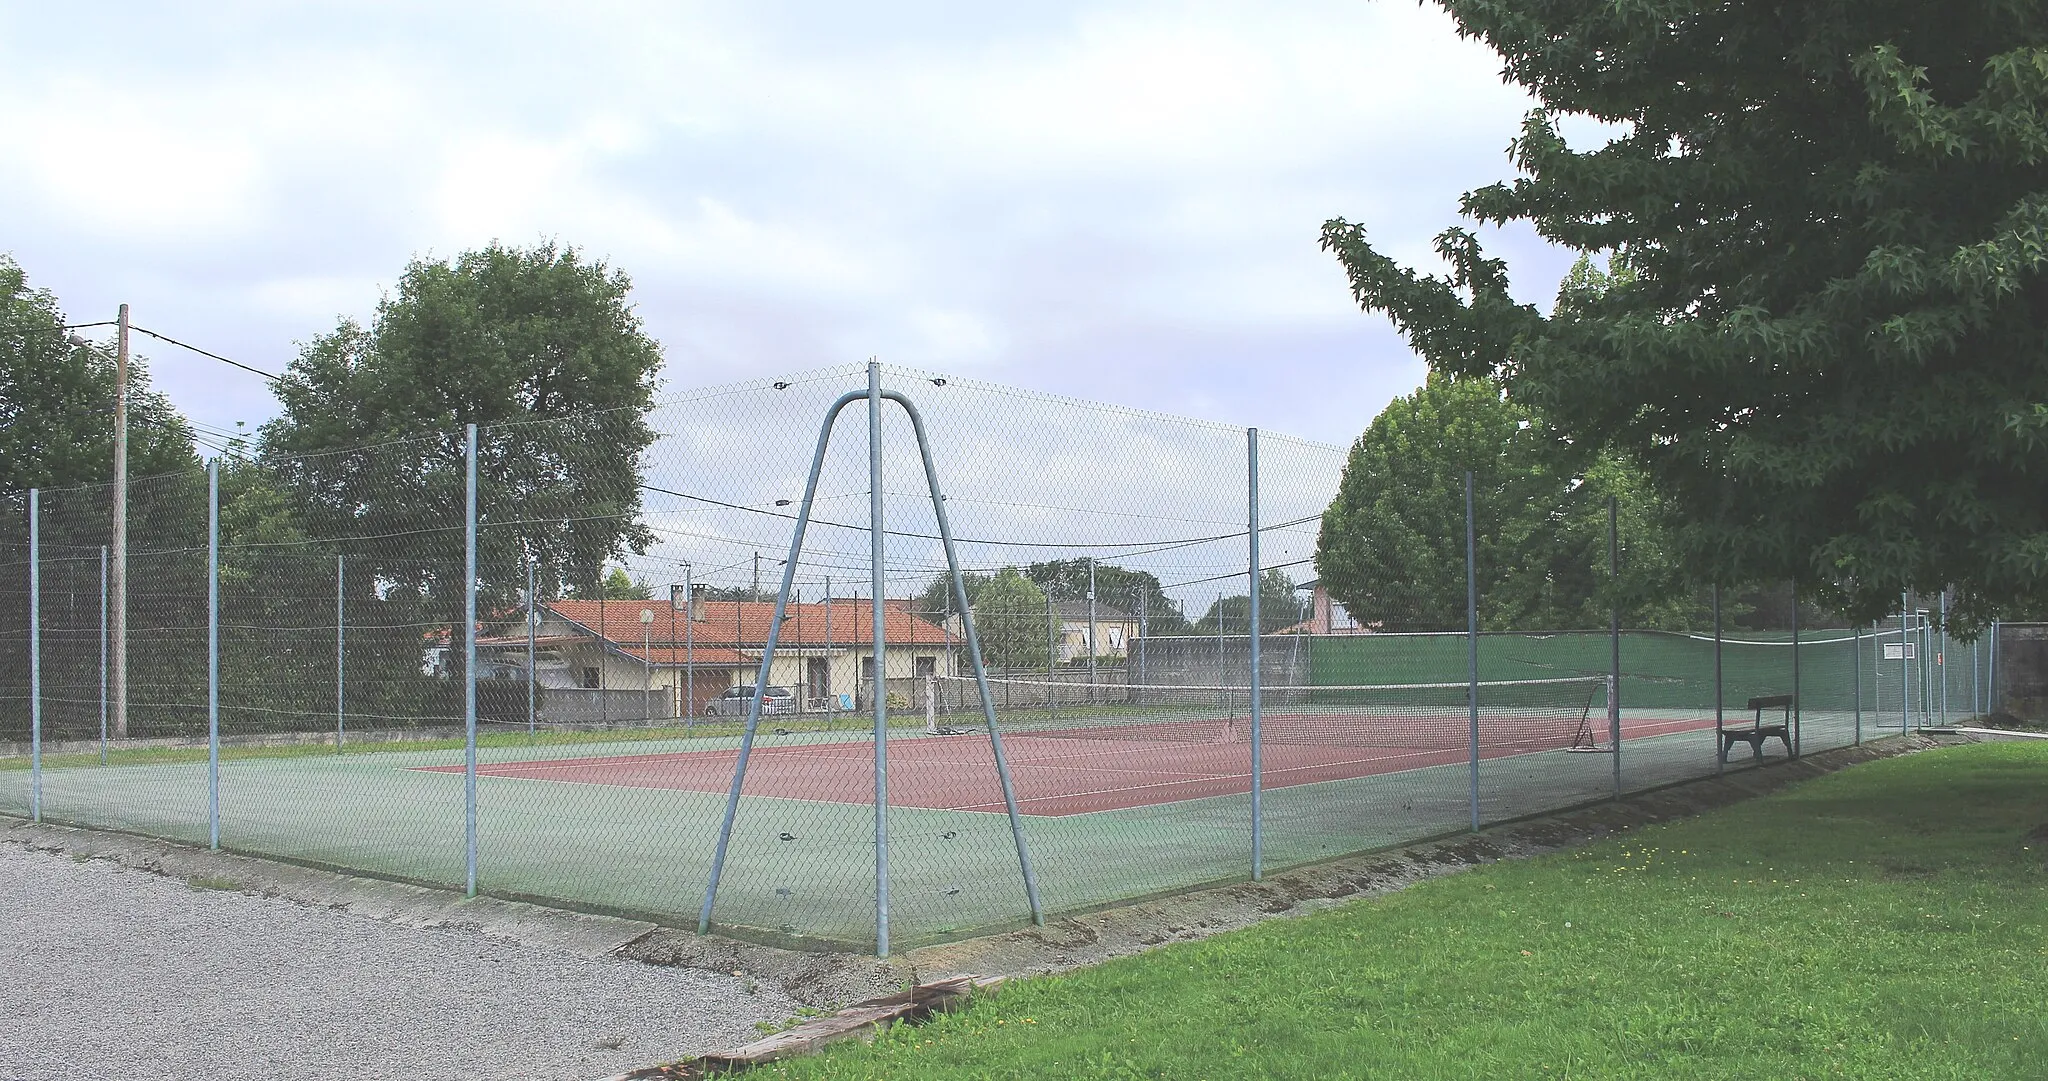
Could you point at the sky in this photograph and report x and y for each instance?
(1108, 201)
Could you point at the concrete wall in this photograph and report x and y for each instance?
(1206, 661)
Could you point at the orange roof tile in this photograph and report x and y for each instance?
(745, 623)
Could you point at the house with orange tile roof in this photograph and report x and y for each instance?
(653, 648)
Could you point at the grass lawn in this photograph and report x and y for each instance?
(1889, 921)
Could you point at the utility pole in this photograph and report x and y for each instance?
(118, 577)
(756, 592)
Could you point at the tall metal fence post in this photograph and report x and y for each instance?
(1251, 445)
(1144, 633)
(1798, 707)
(213, 653)
(1856, 651)
(1472, 649)
(1052, 651)
(103, 654)
(1941, 657)
(1720, 705)
(532, 707)
(340, 647)
(1614, 639)
(469, 665)
(690, 644)
(35, 655)
(1992, 685)
(881, 693)
(1905, 665)
(1094, 688)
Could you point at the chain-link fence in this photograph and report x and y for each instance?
(532, 661)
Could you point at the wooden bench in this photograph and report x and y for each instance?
(1758, 731)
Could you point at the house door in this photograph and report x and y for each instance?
(818, 681)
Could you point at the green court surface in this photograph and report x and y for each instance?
(804, 869)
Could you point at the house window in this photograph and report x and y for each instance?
(927, 666)
(867, 668)
(590, 677)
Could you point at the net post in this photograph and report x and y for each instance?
(213, 654)
(1251, 443)
(469, 844)
(35, 655)
(739, 771)
(1472, 646)
(1614, 638)
(880, 698)
(1720, 709)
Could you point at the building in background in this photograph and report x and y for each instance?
(1325, 615)
(605, 660)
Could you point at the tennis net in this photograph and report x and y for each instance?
(1533, 714)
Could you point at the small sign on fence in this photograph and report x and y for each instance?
(1901, 651)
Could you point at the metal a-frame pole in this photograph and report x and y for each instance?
(796, 542)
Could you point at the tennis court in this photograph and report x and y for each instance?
(1073, 770)
(630, 826)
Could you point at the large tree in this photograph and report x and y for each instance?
(57, 401)
(1392, 545)
(1009, 618)
(1132, 591)
(1825, 337)
(57, 434)
(1281, 606)
(541, 349)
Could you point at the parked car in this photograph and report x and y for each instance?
(734, 702)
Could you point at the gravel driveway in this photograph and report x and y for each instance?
(110, 972)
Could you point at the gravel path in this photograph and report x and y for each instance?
(109, 972)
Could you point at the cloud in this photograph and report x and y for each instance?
(1114, 200)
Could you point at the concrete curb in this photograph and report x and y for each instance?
(2000, 734)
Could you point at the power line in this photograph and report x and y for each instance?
(203, 353)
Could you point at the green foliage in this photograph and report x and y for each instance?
(1882, 922)
(936, 602)
(1281, 605)
(1009, 618)
(617, 586)
(538, 347)
(1392, 546)
(56, 434)
(57, 401)
(542, 351)
(1130, 590)
(1821, 333)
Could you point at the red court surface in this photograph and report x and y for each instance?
(1054, 774)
